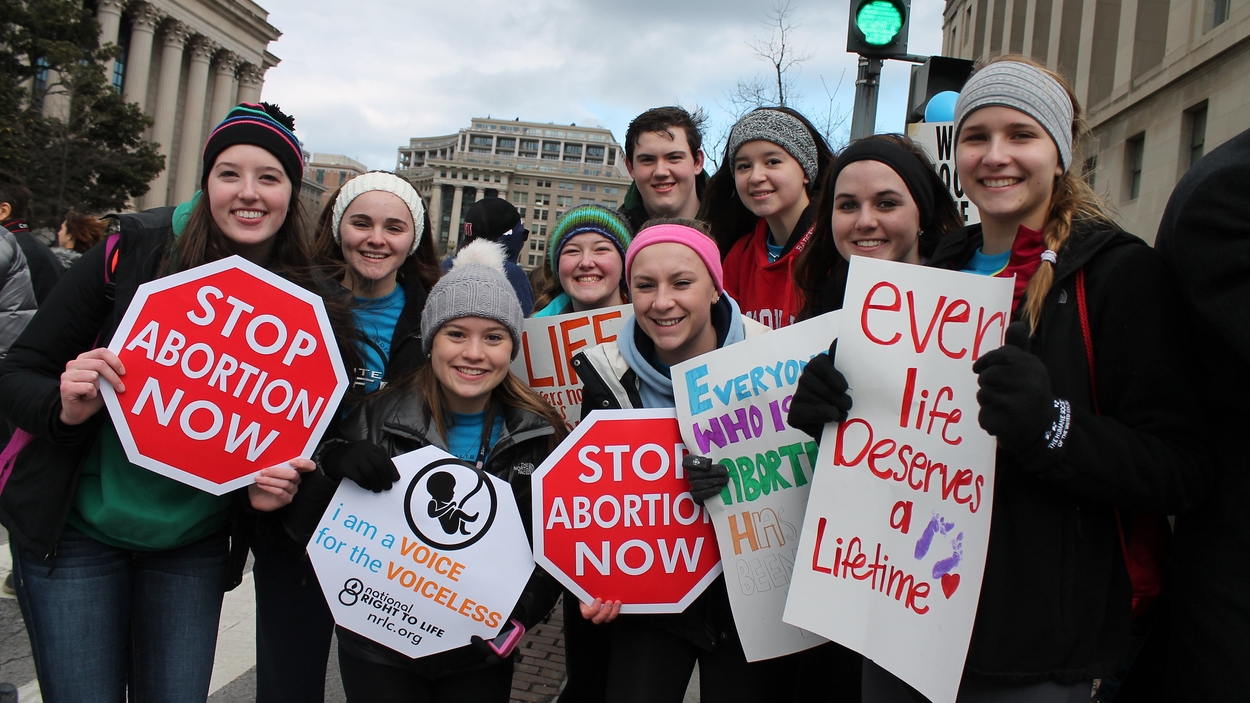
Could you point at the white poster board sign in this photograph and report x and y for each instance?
(938, 139)
(423, 567)
(548, 345)
(894, 540)
(732, 404)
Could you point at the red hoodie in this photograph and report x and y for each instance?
(764, 291)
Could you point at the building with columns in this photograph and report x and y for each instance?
(1162, 81)
(543, 169)
(186, 63)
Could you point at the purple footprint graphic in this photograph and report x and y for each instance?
(947, 565)
(937, 526)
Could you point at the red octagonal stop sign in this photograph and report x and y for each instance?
(614, 518)
(229, 369)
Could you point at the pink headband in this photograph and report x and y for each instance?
(697, 241)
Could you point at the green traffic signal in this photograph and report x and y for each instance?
(879, 21)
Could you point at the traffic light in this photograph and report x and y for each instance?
(878, 28)
(938, 74)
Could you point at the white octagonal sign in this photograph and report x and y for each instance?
(423, 567)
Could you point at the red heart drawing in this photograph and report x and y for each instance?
(950, 582)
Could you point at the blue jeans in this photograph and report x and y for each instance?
(103, 619)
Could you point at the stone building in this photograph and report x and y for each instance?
(186, 62)
(543, 169)
(1162, 81)
(331, 171)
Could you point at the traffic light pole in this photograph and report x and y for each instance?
(864, 117)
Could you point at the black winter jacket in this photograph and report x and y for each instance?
(397, 422)
(1055, 602)
(1204, 239)
(81, 309)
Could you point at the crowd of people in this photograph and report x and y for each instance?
(1114, 403)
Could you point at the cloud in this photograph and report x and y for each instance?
(363, 79)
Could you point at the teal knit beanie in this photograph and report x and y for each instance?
(588, 218)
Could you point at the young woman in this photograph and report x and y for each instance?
(881, 199)
(1078, 446)
(371, 238)
(681, 310)
(759, 204)
(466, 401)
(585, 261)
(77, 235)
(120, 571)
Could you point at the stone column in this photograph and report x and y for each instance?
(188, 180)
(435, 208)
(143, 21)
(226, 90)
(1126, 38)
(175, 38)
(251, 78)
(453, 228)
(109, 14)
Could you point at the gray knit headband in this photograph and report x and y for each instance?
(786, 131)
(384, 181)
(1022, 87)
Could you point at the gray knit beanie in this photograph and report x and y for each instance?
(1022, 87)
(780, 128)
(476, 286)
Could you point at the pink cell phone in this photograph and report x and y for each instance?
(507, 639)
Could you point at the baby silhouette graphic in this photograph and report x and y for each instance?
(442, 488)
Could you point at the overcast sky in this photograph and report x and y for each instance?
(363, 78)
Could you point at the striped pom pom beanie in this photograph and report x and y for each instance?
(588, 218)
(262, 125)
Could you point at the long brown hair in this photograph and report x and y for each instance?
(820, 260)
(1071, 200)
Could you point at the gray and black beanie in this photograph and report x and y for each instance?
(476, 286)
(780, 128)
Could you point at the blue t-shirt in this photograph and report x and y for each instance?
(983, 265)
(464, 437)
(774, 250)
(376, 319)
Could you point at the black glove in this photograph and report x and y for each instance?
(1017, 405)
(363, 462)
(820, 396)
(706, 478)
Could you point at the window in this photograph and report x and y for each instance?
(573, 152)
(611, 157)
(321, 175)
(565, 185)
(542, 198)
(594, 154)
(542, 231)
(551, 150)
(41, 75)
(1219, 12)
(1196, 119)
(521, 197)
(1091, 170)
(585, 201)
(529, 147)
(522, 181)
(543, 184)
(565, 201)
(610, 204)
(521, 211)
(505, 145)
(1134, 158)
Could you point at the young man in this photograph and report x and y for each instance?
(664, 156)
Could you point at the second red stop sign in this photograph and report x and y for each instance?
(614, 518)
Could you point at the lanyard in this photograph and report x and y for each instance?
(488, 424)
